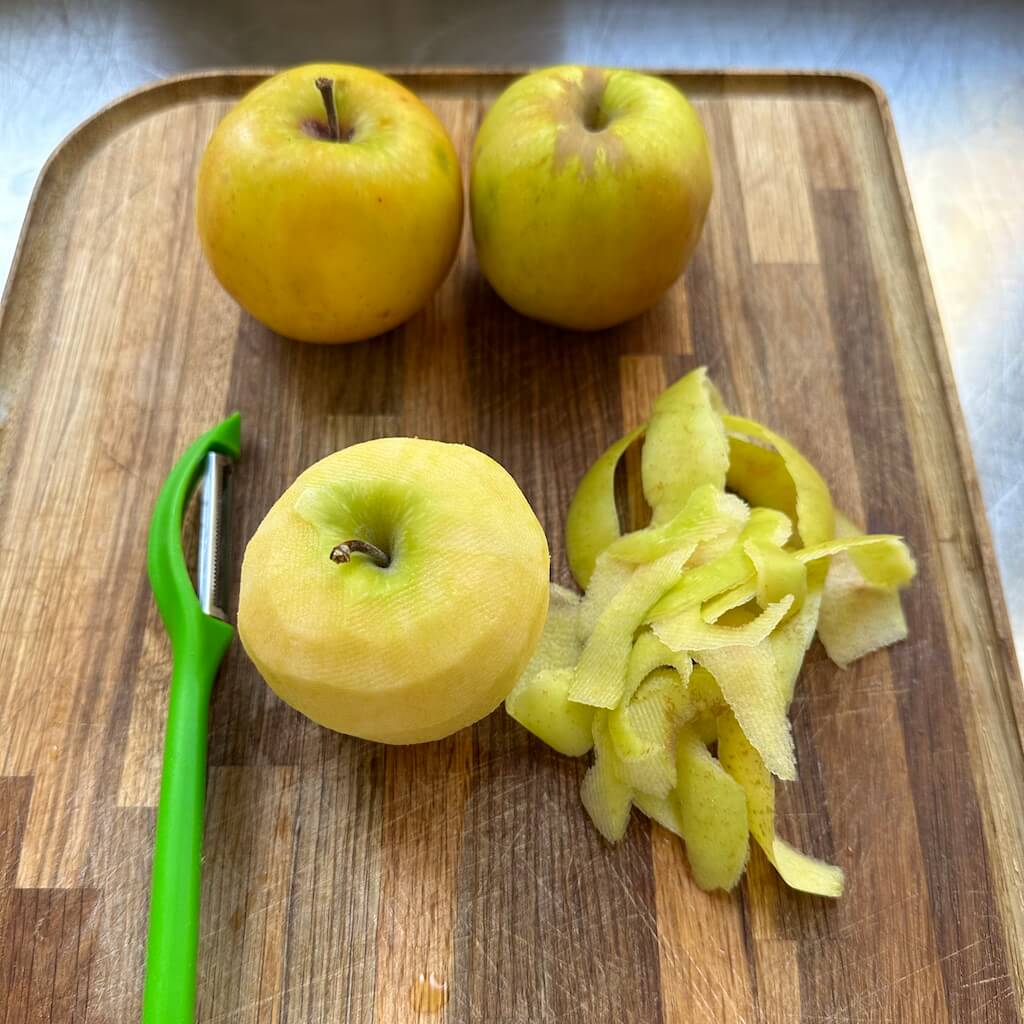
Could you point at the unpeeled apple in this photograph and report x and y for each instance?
(396, 590)
(588, 193)
(327, 238)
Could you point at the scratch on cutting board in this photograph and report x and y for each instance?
(893, 983)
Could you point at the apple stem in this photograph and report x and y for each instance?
(326, 87)
(342, 553)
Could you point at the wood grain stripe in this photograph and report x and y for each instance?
(47, 939)
(246, 889)
(334, 892)
(968, 947)
(143, 747)
(704, 967)
(119, 867)
(425, 796)
(426, 787)
(780, 228)
(825, 136)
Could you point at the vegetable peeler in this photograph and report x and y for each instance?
(199, 637)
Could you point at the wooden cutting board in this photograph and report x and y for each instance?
(337, 872)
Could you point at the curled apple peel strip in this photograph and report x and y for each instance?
(742, 762)
(730, 569)
(858, 616)
(713, 812)
(693, 631)
(707, 515)
(815, 517)
(749, 680)
(592, 523)
(687, 630)
(685, 447)
(601, 671)
(540, 699)
(607, 799)
(643, 732)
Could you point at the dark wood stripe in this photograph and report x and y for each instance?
(334, 891)
(569, 912)
(560, 387)
(725, 326)
(569, 933)
(15, 794)
(48, 939)
(964, 916)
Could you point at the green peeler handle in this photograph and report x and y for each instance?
(169, 996)
(198, 643)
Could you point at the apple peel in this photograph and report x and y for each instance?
(687, 630)
(592, 523)
(728, 601)
(559, 645)
(883, 560)
(743, 763)
(601, 671)
(704, 583)
(608, 579)
(713, 807)
(815, 516)
(731, 569)
(642, 732)
(748, 678)
(789, 643)
(685, 447)
(648, 654)
(708, 514)
(857, 615)
(759, 476)
(661, 809)
(606, 798)
(540, 699)
(779, 572)
(541, 705)
(679, 664)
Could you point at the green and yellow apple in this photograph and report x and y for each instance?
(588, 194)
(397, 590)
(329, 203)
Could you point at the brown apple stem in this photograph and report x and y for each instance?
(326, 87)
(342, 553)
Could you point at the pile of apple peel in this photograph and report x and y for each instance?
(678, 664)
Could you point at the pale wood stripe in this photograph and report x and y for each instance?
(705, 974)
(425, 793)
(143, 750)
(779, 223)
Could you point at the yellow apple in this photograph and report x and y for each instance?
(397, 590)
(329, 203)
(588, 193)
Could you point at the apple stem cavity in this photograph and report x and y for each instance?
(342, 553)
(326, 87)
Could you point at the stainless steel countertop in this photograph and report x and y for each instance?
(954, 74)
